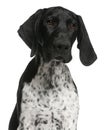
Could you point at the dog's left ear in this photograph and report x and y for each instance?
(29, 31)
(87, 53)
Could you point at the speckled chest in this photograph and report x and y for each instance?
(50, 100)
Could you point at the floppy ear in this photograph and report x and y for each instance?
(29, 31)
(87, 53)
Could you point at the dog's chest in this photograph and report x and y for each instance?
(50, 101)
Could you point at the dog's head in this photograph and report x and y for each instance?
(52, 32)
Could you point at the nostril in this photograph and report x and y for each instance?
(62, 47)
(59, 47)
(66, 47)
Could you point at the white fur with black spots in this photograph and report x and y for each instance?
(50, 101)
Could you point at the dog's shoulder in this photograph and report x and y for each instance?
(30, 71)
(27, 76)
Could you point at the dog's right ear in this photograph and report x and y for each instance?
(29, 31)
(87, 53)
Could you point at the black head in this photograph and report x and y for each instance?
(52, 32)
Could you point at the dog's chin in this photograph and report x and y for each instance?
(62, 59)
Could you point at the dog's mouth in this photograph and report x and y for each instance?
(60, 58)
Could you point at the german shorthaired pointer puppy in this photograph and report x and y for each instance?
(47, 98)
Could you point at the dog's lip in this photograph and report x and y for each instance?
(64, 60)
(60, 58)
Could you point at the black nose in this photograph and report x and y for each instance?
(62, 47)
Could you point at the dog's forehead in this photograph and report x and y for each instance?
(59, 12)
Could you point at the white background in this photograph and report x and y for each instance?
(92, 81)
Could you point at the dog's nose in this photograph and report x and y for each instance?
(61, 35)
(60, 47)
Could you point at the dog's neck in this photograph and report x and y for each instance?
(42, 61)
(53, 70)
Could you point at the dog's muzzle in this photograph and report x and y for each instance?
(63, 50)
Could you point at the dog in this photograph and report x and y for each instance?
(47, 97)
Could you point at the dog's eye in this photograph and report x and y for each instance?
(71, 26)
(51, 22)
